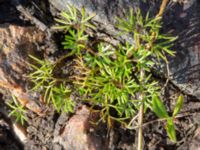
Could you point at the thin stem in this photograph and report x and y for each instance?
(60, 79)
(160, 120)
(160, 14)
(61, 59)
(141, 113)
(133, 119)
(162, 8)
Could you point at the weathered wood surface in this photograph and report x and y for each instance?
(183, 20)
(185, 67)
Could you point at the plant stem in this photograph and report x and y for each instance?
(61, 59)
(162, 8)
(160, 14)
(163, 119)
(141, 113)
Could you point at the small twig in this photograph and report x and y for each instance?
(60, 79)
(134, 118)
(90, 50)
(159, 120)
(162, 8)
(61, 59)
(141, 114)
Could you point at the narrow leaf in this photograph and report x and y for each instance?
(159, 108)
(178, 105)
(171, 130)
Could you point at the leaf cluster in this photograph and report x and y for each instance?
(18, 111)
(54, 89)
(75, 23)
(72, 18)
(146, 33)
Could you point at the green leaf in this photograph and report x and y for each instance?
(171, 129)
(159, 108)
(178, 106)
(18, 111)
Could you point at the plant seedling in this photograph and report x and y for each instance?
(73, 19)
(54, 89)
(18, 111)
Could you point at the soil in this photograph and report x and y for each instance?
(27, 31)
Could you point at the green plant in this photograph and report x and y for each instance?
(75, 41)
(109, 83)
(60, 97)
(18, 111)
(159, 109)
(149, 43)
(72, 18)
(115, 79)
(43, 73)
(75, 23)
(54, 89)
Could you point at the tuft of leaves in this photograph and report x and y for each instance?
(75, 41)
(54, 89)
(109, 83)
(42, 74)
(60, 97)
(18, 111)
(72, 18)
(75, 23)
